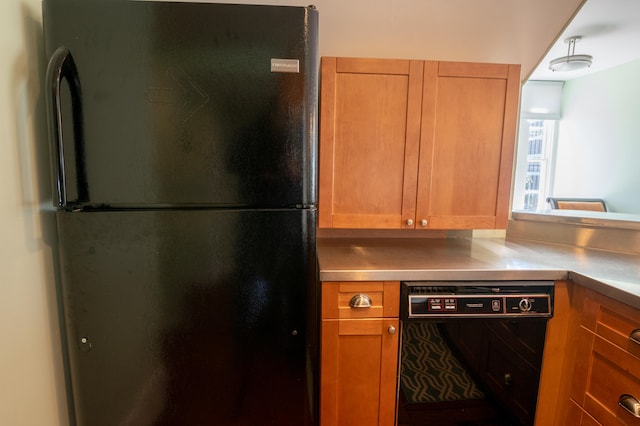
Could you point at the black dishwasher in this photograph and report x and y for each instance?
(471, 352)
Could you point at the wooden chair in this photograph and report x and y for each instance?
(593, 204)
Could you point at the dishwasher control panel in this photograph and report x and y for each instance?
(476, 299)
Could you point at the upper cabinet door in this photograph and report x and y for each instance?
(416, 145)
(370, 135)
(468, 135)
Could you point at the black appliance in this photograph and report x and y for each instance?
(184, 144)
(472, 351)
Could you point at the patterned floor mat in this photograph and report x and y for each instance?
(429, 372)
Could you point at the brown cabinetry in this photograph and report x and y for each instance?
(579, 417)
(416, 144)
(606, 377)
(359, 353)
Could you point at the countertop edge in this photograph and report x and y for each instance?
(616, 275)
(441, 275)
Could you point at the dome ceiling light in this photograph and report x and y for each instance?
(571, 62)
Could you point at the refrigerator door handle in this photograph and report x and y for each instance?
(61, 66)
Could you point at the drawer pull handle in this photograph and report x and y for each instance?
(635, 336)
(360, 301)
(630, 404)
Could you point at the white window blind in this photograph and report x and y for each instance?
(541, 100)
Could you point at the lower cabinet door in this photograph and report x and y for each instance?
(606, 381)
(358, 377)
(578, 417)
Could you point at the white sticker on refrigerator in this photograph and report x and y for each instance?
(285, 65)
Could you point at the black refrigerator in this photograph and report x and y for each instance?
(184, 150)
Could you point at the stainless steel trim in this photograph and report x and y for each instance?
(444, 273)
(494, 283)
(574, 217)
(590, 232)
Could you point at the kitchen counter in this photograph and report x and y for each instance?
(617, 275)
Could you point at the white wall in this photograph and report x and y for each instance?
(598, 151)
(31, 382)
(31, 378)
(502, 31)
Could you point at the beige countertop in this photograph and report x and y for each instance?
(614, 274)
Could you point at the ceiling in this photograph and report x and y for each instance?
(495, 31)
(610, 31)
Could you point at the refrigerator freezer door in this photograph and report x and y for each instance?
(171, 103)
(190, 318)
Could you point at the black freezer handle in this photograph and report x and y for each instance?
(61, 65)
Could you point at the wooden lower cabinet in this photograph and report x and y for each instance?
(606, 377)
(359, 355)
(590, 360)
(590, 370)
(578, 417)
(358, 380)
(554, 407)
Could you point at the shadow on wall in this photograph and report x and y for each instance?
(35, 182)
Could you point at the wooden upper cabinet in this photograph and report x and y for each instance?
(416, 144)
(370, 135)
(469, 118)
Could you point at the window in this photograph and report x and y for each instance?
(536, 141)
(540, 112)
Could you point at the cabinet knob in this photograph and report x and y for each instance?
(360, 301)
(635, 336)
(424, 222)
(409, 222)
(630, 404)
(391, 330)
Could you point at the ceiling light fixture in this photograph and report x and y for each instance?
(572, 61)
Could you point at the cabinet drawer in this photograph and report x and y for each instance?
(576, 416)
(614, 321)
(384, 299)
(608, 374)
